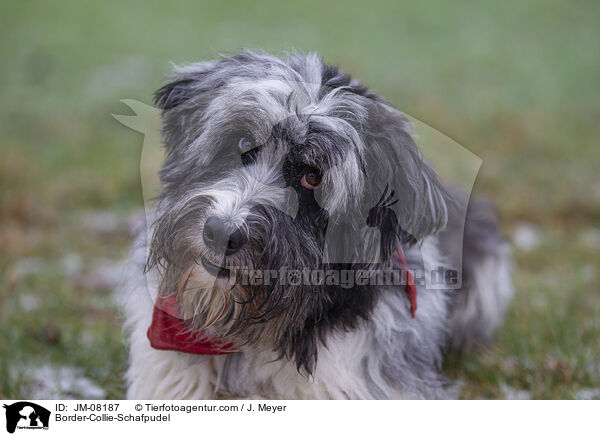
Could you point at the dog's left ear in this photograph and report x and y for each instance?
(395, 165)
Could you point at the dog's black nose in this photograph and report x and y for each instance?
(219, 235)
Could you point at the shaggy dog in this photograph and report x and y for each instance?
(291, 252)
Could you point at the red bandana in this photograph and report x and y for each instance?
(169, 332)
(410, 288)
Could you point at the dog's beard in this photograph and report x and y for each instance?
(207, 301)
(213, 290)
(289, 318)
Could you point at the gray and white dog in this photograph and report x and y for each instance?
(297, 229)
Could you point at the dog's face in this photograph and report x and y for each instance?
(282, 164)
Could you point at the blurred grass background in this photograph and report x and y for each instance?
(514, 82)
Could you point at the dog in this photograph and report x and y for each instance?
(289, 253)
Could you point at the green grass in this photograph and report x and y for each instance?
(514, 82)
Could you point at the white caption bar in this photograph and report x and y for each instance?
(285, 417)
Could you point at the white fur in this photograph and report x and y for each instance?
(490, 293)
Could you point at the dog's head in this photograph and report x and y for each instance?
(282, 164)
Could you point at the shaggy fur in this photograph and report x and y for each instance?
(243, 134)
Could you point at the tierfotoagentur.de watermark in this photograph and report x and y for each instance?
(347, 278)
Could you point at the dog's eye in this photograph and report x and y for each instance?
(245, 144)
(311, 180)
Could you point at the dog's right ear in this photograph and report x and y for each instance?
(173, 94)
(187, 81)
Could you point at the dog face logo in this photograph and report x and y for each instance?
(26, 415)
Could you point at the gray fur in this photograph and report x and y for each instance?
(302, 116)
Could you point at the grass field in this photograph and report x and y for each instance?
(515, 82)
